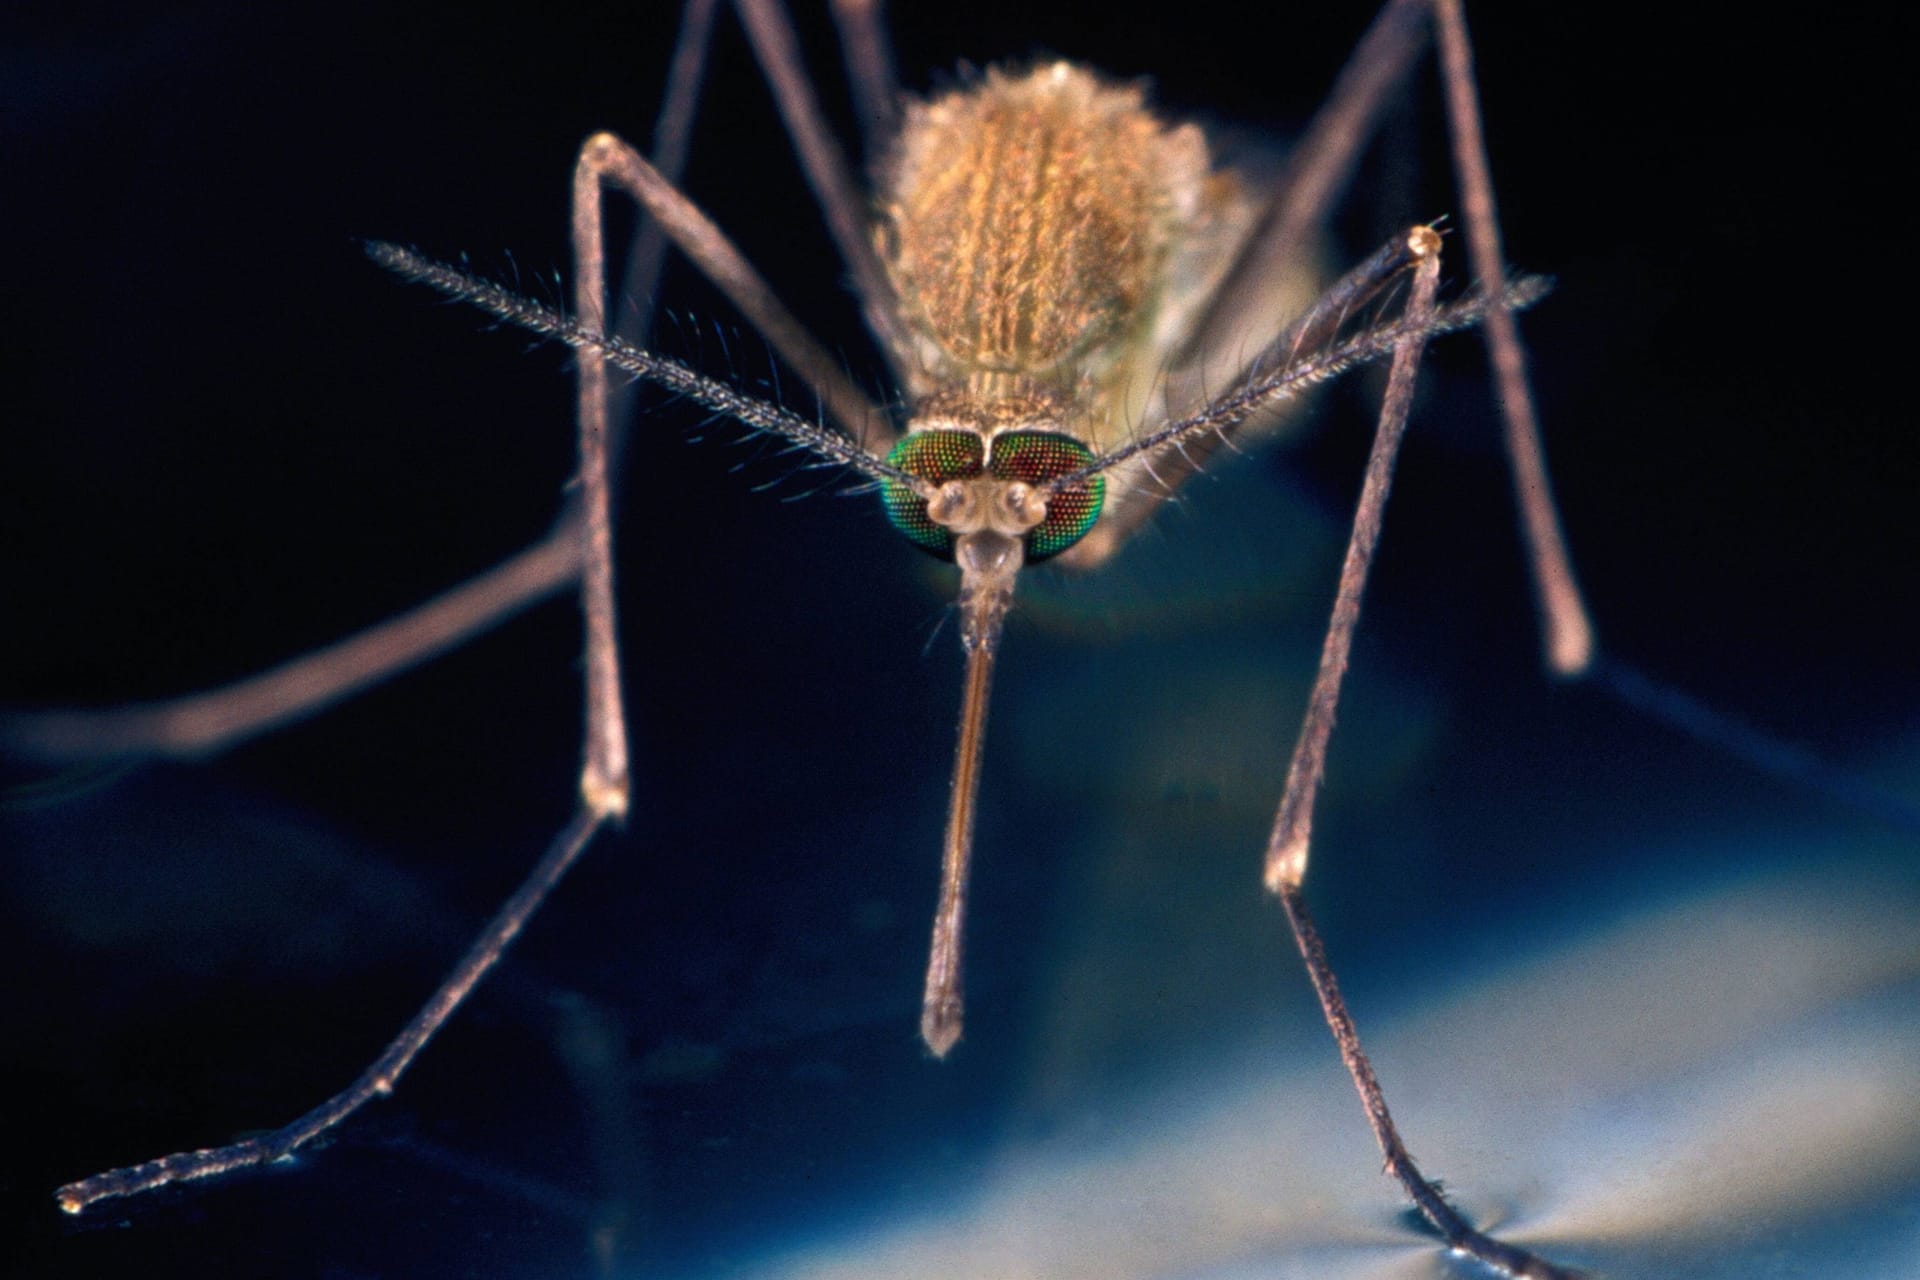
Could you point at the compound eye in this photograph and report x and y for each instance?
(935, 456)
(1039, 458)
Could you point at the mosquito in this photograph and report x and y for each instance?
(1080, 308)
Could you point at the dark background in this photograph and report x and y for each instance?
(227, 438)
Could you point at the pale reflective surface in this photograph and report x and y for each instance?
(1721, 1083)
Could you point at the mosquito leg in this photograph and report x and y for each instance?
(1293, 825)
(1286, 863)
(869, 56)
(377, 1080)
(200, 723)
(1316, 176)
(603, 771)
(1447, 1220)
(1563, 615)
(1286, 859)
(771, 33)
(604, 781)
(1570, 644)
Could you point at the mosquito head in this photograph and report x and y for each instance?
(988, 468)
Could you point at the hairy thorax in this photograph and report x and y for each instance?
(1035, 226)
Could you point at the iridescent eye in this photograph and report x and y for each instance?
(1038, 457)
(934, 456)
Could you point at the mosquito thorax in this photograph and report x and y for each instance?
(989, 467)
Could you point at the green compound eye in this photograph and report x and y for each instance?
(936, 457)
(1035, 457)
(1038, 457)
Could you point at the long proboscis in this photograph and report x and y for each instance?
(942, 1009)
(517, 309)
